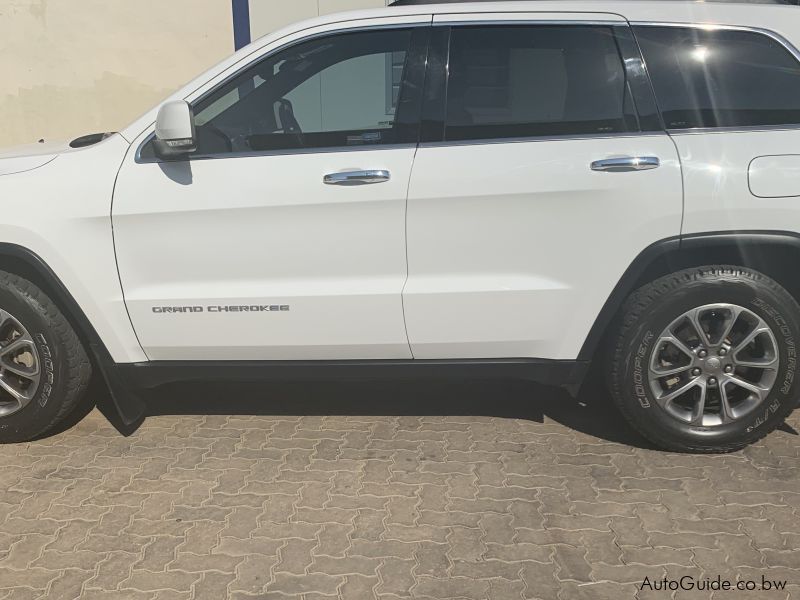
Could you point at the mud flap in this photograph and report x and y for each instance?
(126, 402)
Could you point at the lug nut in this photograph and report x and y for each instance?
(729, 368)
(696, 372)
(702, 354)
(722, 351)
(712, 381)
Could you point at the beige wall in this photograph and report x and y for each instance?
(69, 67)
(269, 15)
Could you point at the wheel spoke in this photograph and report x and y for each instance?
(759, 329)
(700, 407)
(673, 371)
(725, 413)
(757, 363)
(5, 385)
(10, 352)
(667, 398)
(21, 370)
(694, 319)
(14, 346)
(673, 339)
(758, 391)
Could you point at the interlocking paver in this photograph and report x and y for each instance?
(349, 506)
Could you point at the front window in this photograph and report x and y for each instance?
(343, 90)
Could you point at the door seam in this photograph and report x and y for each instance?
(405, 230)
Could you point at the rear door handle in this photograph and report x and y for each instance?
(357, 177)
(626, 163)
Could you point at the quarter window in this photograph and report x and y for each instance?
(721, 78)
(544, 80)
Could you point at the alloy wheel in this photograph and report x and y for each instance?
(20, 369)
(713, 365)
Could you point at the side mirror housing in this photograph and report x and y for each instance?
(175, 133)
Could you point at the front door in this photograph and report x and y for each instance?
(284, 236)
(544, 171)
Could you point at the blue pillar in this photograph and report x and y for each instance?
(241, 23)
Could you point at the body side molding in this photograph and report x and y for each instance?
(150, 375)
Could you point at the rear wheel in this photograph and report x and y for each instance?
(44, 369)
(706, 358)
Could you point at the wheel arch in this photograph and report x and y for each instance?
(776, 254)
(26, 263)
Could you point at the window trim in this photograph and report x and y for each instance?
(773, 35)
(440, 142)
(422, 25)
(542, 138)
(531, 21)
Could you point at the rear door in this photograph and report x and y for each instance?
(544, 170)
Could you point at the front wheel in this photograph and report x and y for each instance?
(44, 369)
(705, 360)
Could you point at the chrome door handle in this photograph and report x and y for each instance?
(357, 177)
(626, 163)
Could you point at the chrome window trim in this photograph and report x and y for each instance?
(773, 35)
(543, 138)
(506, 22)
(747, 129)
(427, 22)
(287, 152)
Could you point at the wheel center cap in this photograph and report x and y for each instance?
(714, 364)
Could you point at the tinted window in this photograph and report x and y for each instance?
(722, 78)
(518, 81)
(343, 90)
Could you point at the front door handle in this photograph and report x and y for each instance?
(357, 177)
(626, 163)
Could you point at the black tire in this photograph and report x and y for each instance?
(64, 366)
(652, 308)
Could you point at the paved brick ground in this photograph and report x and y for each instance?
(524, 495)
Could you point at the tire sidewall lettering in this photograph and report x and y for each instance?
(788, 340)
(48, 368)
(783, 329)
(640, 379)
(764, 415)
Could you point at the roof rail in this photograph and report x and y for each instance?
(420, 2)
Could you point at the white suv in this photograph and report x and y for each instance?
(493, 189)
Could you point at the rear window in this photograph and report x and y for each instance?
(539, 80)
(721, 78)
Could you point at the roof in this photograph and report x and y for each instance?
(781, 16)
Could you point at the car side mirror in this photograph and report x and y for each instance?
(175, 133)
